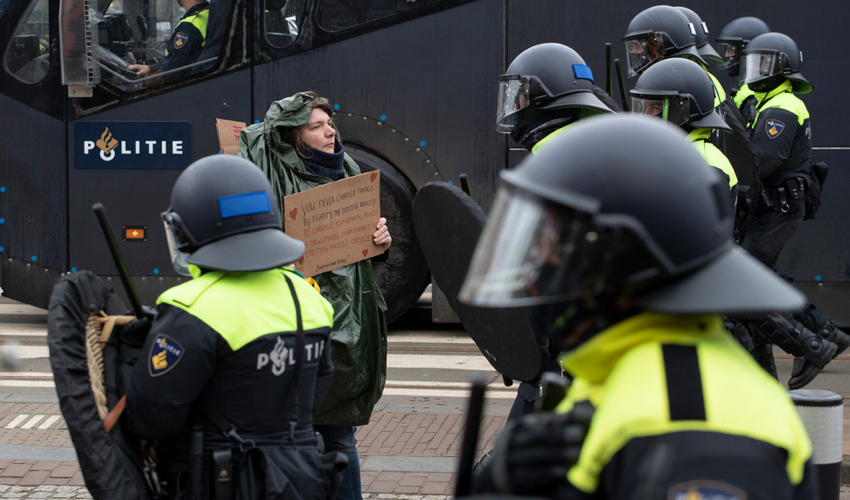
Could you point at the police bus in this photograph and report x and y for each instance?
(413, 82)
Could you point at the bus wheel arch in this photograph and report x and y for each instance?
(403, 274)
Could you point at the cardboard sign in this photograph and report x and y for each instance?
(228, 135)
(336, 222)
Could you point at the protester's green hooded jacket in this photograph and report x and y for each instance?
(359, 337)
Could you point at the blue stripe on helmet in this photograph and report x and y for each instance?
(244, 204)
(582, 71)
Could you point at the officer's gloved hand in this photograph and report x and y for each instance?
(133, 334)
(535, 452)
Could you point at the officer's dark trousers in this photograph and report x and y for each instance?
(766, 236)
(768, 232)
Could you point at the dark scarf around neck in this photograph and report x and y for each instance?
(323, 164)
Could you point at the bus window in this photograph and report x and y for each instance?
(145, 44)
(338, 15)
(282, 21)
(27, 55)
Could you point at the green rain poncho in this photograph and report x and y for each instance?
(359, 338)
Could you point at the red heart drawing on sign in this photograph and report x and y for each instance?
(301, 261)
(365, 253)
(373, 177)
(293, 213)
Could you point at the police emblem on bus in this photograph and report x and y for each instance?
(164, 355)
(107, 145)
(774, 128)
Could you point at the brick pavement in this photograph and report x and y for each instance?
(388, 434)
(418, 435)
(40, 472)
(422, 434)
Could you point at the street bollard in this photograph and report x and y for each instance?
(822, 413)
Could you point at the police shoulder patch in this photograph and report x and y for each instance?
(180, 40)
(705, 490)
(774, 128)
(164, 355)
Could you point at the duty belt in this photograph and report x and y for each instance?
(788, 194)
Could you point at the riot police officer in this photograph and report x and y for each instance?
(622, 222)
(241, 351)
(679, 92)
(732, 40)
(186, 42)
(546, 88)
(706, 51)
(781, 134)
(658, 33)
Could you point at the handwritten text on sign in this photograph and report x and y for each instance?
(336, 222)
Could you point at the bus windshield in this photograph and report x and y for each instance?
(144, 44)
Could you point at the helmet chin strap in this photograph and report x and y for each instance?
(574, 323)
(537, 134)
(767, 84)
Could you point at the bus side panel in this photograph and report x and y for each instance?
(33, 202)
(587, 26)
(434, 78)
(136, 197)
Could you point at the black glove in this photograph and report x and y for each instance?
(133, 334)
(534, 453)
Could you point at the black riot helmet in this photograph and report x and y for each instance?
(770, 59)
(546, 87)
(658, 33)
(619, 206)
(678, 91)
(735, 36)
(224, 216)
(703, 44)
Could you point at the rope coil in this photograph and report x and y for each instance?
(99, 328)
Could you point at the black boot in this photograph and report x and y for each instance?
(812, 353)
(832, 333)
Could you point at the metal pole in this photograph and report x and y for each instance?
(622, 81)
(609, 82)
(822, 413)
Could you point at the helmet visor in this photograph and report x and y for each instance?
(671, 109)
(756, 66)
(534, 252)
(513, 96)
(178, 257)
(643, 51)
(730, 52)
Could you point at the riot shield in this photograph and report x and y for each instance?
(110, 462)
(448, 223)
(739, 148)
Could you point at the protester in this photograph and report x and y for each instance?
(298, 148)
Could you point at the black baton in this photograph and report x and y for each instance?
(100, 212)
(470, 436)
